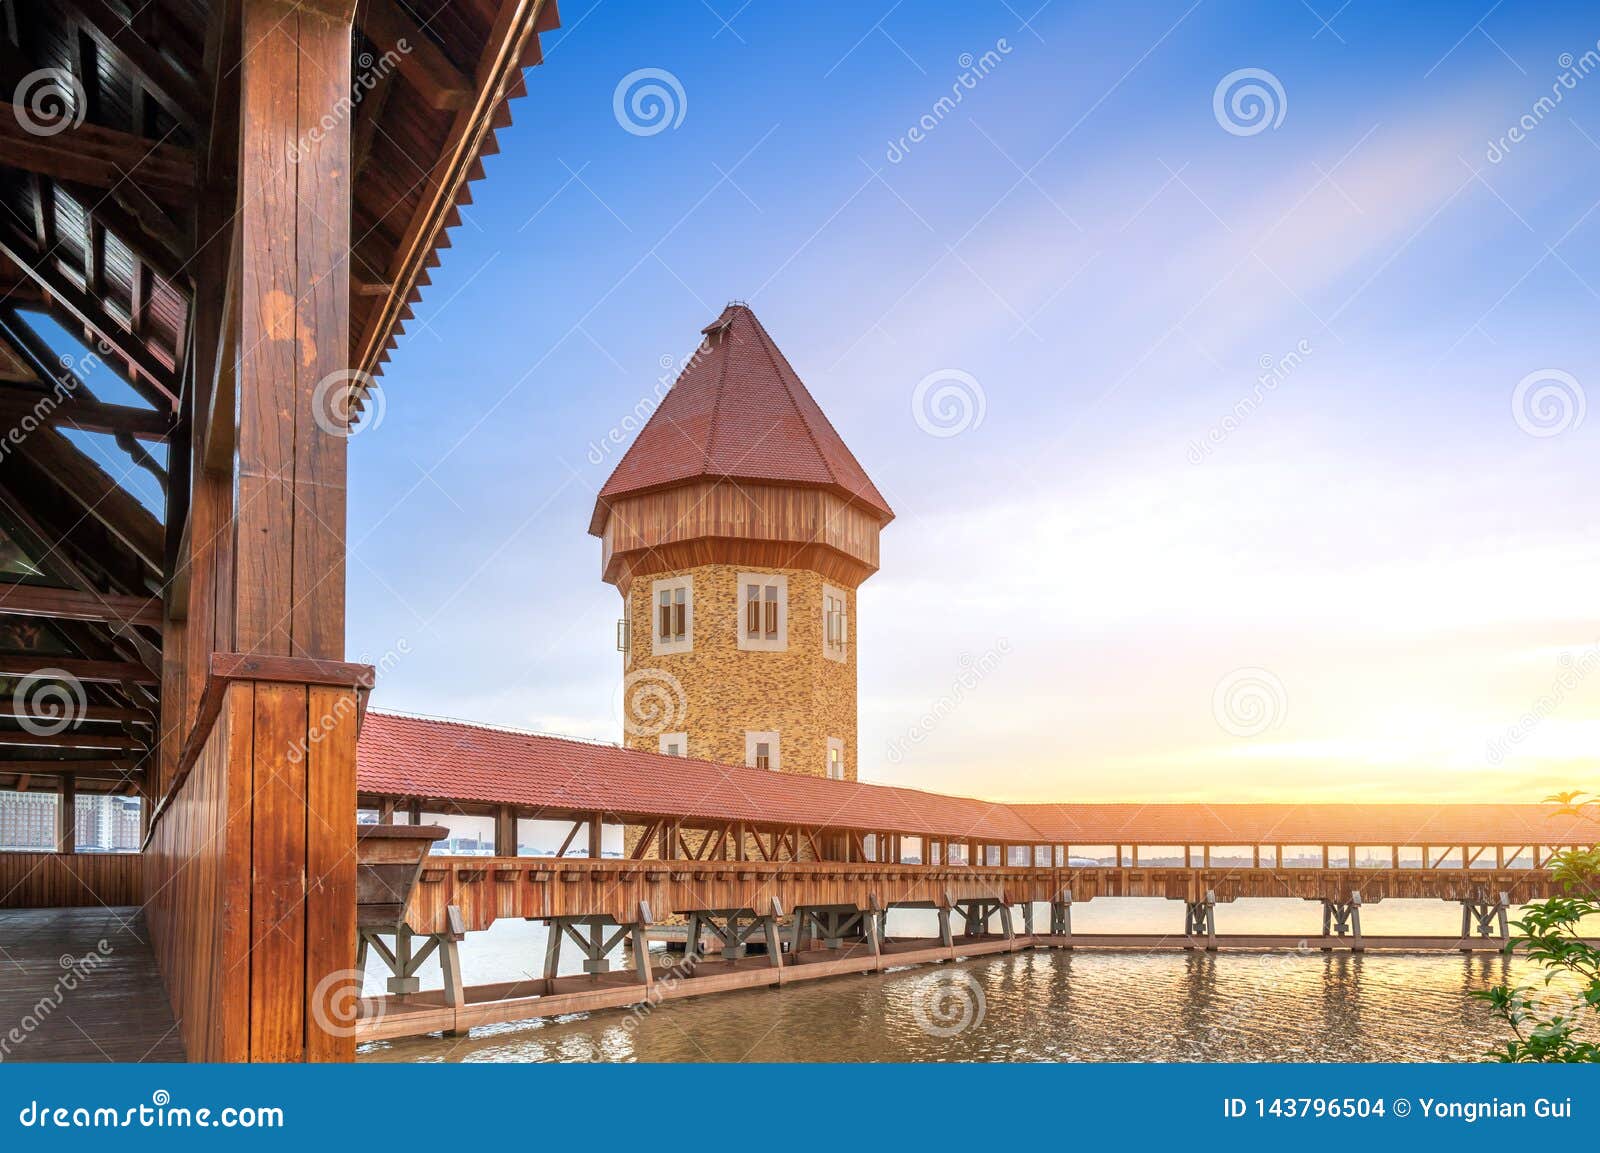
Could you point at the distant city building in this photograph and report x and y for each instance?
(102, 823)
(28, 821)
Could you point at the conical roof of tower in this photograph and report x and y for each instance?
(738, 410)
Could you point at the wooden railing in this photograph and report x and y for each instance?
(70, 880)
(484, 889)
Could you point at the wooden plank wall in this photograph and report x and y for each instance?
(197, 875)
(70, 880)
(250, 871)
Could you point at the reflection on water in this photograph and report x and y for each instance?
(1043, 1005)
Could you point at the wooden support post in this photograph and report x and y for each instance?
(454, 987)
(555, 929)
(596, 832)
(641, 947)
(774, 938)
(869, 922)
(1355, 921)
(66, 814)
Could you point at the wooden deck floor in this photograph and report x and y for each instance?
(82, 985)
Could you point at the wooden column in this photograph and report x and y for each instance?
(294, 328)
(288, 562)
(66, 814)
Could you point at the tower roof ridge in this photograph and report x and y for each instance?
(739, 412)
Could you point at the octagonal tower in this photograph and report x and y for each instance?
(737, 528)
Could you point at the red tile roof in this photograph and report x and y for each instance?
(738, 410)
(424, 758)
(1235, 824)
(439, 760)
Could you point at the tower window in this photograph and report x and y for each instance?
(763, 612)
(761, 751)
(835, 759)
(675, 744)
(674, 616)
(835, 623)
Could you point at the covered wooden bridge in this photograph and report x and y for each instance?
(806, 870)
(228, 208)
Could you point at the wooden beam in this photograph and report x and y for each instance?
(84, 413)
(421, 62)
(99, 157)
(87, 671)
(26, 740)
(80, 768)
(88, 311)
(76, 605)
(110, 714)
(100, 496)
(153, 70)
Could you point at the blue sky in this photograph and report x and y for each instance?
(1378, 540)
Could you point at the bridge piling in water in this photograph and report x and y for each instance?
(1343, 919)
(1486, 918)
(1200, 920)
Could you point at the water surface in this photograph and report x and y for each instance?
(1041, 1005)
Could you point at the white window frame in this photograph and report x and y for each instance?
(775, 747)
(835, 745)
(763, 644)
(662, 648)
(841, 651)
(679, 739)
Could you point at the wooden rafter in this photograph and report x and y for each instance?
(79, 605)
(90, 312)
(97, 493)
(87, 671)
(99, 157)
(422, 64)
(517, 23)
(70, 740)
(154, 71)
